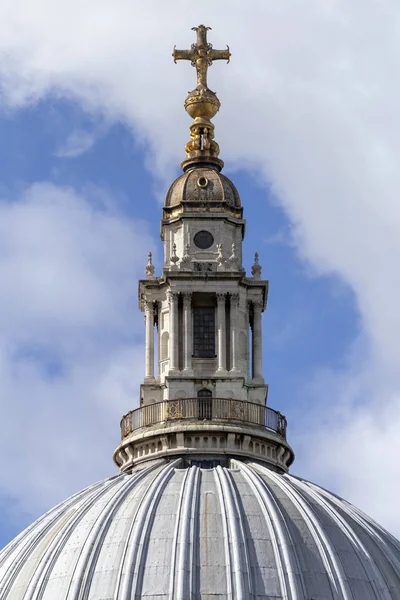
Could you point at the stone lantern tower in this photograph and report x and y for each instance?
(204, 393)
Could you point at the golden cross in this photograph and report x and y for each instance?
(201, 55)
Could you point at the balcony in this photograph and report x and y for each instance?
(213, 410)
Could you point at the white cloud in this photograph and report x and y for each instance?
(69, 352)
(347, 436)
(310, 101)
(78, 142)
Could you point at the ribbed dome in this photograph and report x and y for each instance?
(202, 185)
(166, 531)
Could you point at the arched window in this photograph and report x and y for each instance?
(204, 404)
(204, 393)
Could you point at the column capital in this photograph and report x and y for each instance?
(172, 296)
(187, 296)
(221, 296)
(235, 298)
(258, 304)
(149, 305)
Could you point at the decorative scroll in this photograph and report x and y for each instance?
(126, 425)
(173, 410)
(237, 410)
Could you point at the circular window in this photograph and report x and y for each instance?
(202, 182)
(203, 239)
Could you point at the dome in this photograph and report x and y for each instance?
(166, 531)
(204, 185)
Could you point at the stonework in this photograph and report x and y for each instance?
(203, 276)
(203, 321)
(236, 301)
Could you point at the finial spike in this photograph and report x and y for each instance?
(186, 259)
(174, 257)
(149, 267)
(256, 268)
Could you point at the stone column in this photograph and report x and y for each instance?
(149, 320)
(173, 333)
(257, 341)
(221, 328)
(187, 332)
(234, 331)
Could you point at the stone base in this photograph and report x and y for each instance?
(150, 392)
(205, 439)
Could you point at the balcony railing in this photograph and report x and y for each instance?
(204, 409)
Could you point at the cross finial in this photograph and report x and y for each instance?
(201, 55)
(202, 104)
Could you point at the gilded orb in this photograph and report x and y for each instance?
(202, 103)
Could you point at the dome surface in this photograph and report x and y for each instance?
(205, 185)
(166, 531)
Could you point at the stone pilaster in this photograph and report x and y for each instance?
(173, 334)
(221, 324)
(234, 332)
(187, 333)
(149, 320)
(257, 342)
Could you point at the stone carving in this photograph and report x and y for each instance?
(256, 268)
(186, 259)
(149, 266)
(220, 255)
(235, 300)
(174, 258)
(237, 410)
(233, 259)
(172, 297)
(257, 304)
(149, 306)
(204, 267)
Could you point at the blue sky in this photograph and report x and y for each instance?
(92, 135)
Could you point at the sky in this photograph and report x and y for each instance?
(92, 134)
